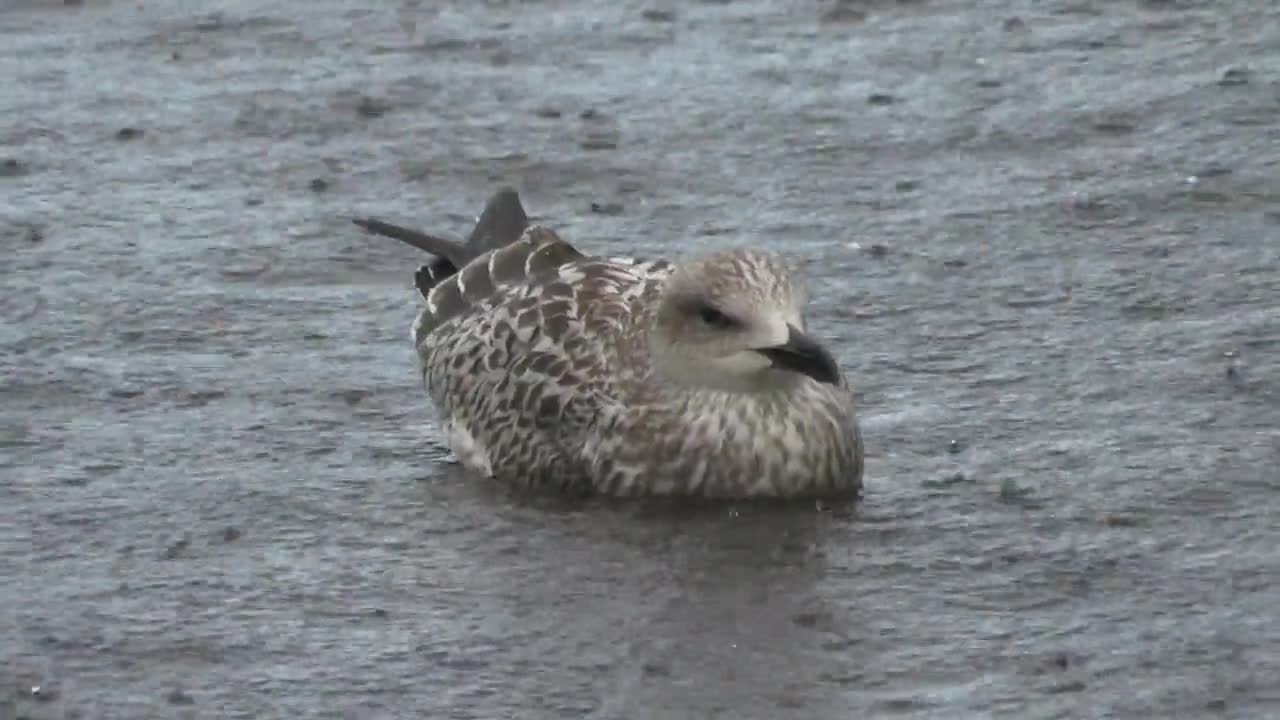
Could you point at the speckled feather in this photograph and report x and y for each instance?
(536, 356)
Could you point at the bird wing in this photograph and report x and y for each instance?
(524, 346)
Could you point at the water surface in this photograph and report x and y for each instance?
(1043, 238)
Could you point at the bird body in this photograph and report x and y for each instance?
(629, 377)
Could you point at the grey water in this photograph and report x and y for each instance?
(1043, 239)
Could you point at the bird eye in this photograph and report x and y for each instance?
(715, 318)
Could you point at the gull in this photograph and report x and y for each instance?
(554, 369)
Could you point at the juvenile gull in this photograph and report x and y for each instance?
(621, 376)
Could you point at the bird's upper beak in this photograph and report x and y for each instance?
(802, 354)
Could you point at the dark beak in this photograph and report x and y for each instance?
(804, 355)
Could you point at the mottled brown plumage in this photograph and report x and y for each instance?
(620, 376)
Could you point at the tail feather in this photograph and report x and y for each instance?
(501, 223)
(452, 250)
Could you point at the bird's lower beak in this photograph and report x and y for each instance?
(802, 354)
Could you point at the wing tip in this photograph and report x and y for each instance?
(429, 275)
